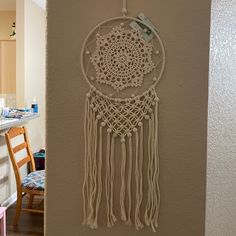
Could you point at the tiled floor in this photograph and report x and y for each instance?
(30, 224)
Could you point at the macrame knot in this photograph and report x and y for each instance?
(147, 117)
(135, 130)
(140, 124)
(122, 140)
(99, 117)
(124, 11)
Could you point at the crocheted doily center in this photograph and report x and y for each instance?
(122, 58)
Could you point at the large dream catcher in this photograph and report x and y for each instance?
(122, 60)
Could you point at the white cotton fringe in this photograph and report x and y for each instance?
(97, 134)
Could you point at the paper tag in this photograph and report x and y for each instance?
(145, 31)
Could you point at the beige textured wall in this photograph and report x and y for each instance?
(8, 5)
(221, 165)
(31, 47)
(20, 58)
(6, 20)
(184, 27)
(34, 80)
(8, 67)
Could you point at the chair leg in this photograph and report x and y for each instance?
(18, 208)
(31, 199)
(41, 204)
(3, 224)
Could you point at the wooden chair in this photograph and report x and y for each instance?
(33, 183)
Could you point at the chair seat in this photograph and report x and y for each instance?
(34, 181)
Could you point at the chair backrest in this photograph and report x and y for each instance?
(13, 150)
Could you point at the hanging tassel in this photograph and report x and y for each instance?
(113, 218)
(136, 217)
(152, 210)
(90, 165)
(129, 222)
(149, 173)
(90, 179)
(92, 185)
(108, 176)
(153, 203)
(93, 164)
(110, 171)
(138, 175)
(99, 194)
(122, 191)
(156, 172)
(86, 161)
(140, 168)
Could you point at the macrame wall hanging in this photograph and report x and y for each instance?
(122, 60)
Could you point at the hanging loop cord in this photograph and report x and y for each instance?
(124, 8)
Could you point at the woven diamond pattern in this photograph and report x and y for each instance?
(122, 116)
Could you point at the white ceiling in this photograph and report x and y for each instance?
(7, 5)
